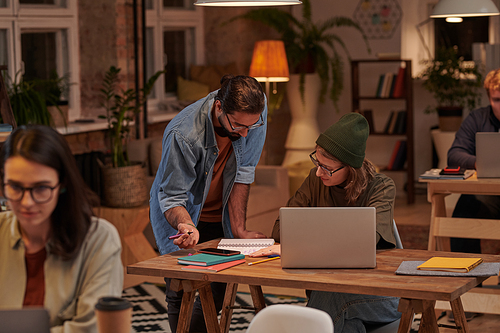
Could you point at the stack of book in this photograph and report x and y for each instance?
(391, 85)
(210, 262)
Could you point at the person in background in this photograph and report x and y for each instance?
(343, 177)
(209, 154)
(463, 153)
(53, 252)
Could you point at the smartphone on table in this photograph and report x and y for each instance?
(220, 252)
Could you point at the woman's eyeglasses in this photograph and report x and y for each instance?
(312, 156)
(40, 193)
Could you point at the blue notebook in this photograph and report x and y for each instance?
(205, 259)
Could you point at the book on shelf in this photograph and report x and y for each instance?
(378, 93)
(393, 155)
(387, 85)
(214, 268)
(393, 84)
(400, 127)
(368, 114)
(435, 174)
(446, 264)
(389, 121)
(400, 159)
(245, 246)
(205, 259)
(392, 125)
(399, 85)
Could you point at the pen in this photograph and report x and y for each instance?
(179, 235)
(258, 262)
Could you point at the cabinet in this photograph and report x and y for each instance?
(365, 99)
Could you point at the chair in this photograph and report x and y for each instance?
(393, 326)
(286, 318)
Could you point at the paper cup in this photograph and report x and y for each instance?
(114, 315)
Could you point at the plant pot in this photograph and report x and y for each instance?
(450, 118)
(60, 117)
(124, 186)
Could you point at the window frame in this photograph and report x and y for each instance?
(18, 18)
(160, 19)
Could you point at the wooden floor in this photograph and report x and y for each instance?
(416, 217)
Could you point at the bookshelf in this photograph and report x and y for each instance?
(362, 101)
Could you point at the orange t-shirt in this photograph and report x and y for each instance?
(35, 280)
(212, 209)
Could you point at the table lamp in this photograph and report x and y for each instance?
(269, 63)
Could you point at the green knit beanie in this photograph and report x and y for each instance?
(346, 139)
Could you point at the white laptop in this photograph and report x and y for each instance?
(328, 237)
(26, 320)
(488, 154)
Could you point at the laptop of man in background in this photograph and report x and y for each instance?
(328, 237)
(26, 320)
(487, 154)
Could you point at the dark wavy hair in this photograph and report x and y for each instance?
(71, 218)
(241, 93)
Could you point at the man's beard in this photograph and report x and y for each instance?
(223, 132)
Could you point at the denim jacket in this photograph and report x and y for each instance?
(189, 152)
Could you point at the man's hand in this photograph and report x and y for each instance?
(273, 249)
(187, 241)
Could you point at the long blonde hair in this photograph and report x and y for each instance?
(357, 178)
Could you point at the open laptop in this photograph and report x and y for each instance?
(26, 320)
(328, 237)
(487, 156)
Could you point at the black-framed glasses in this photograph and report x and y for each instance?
(324, 168)
(259, 123)
(39, 193)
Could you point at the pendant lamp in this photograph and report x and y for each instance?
(246, 3)
(464, 8)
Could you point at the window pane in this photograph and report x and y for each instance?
(187, 4)
(38, 54)
(3, 47)
(59, 3)
(178, 49)
(471, 30)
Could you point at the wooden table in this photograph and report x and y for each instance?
(483, 300)
(441, 226)
(418, 293)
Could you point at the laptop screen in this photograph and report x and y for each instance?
(27, 320)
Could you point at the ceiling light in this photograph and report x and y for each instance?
(464, 8)
(246, 3)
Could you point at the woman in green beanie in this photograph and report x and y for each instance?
(343, 177)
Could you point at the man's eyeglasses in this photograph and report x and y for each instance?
(259, 123)
(312, 156)
(40, 193)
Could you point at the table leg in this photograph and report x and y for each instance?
(257, 298)
(186, 311)
(406, 308)
(438, 210)
(227, 307)
(459, 315)
(428, 324)
(209, 312)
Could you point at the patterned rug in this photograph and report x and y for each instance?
(149, 312)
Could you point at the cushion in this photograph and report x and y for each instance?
(190, 90)
(211, 75)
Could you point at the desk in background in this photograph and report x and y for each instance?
(418, 293)
(483, 300)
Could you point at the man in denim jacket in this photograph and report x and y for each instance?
(209, 154)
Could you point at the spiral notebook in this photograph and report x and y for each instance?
(245, 246)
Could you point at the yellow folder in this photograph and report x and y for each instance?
(461, 265)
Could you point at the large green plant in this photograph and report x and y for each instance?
(28, 104)
(121, 106)
(451, 80)
(310, 46)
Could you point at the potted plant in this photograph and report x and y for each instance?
(55, 90)
(28, 104)
(454, 83)
(124, 182)
(308, 44)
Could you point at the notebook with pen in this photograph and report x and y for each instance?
(328, 237)
(487, 156)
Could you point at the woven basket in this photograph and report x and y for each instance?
(125, 186)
